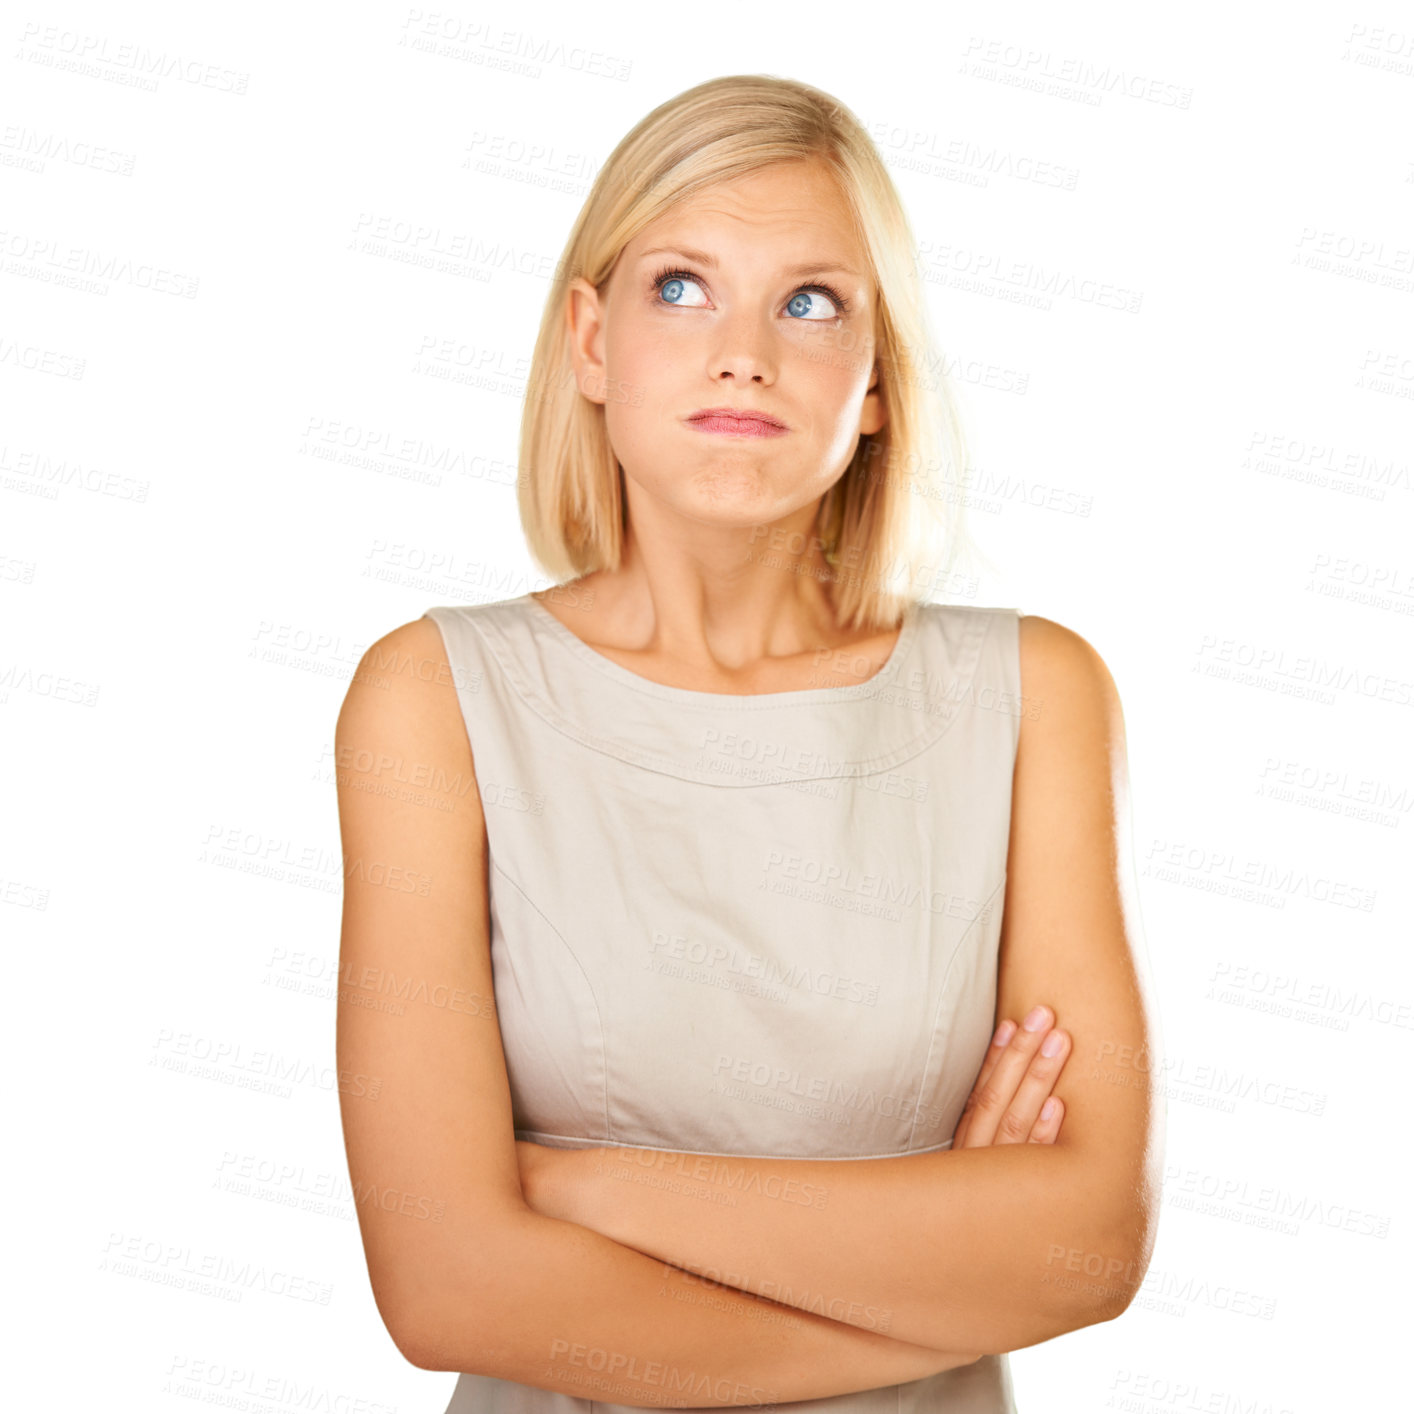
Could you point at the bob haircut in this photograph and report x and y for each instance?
(881, 526)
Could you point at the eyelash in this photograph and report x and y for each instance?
(840, 302)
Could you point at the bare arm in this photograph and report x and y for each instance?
(465, 1275)
(870, 1242)
(993, 1248)
(576, 1307)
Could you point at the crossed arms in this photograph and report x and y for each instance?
(915, 1264)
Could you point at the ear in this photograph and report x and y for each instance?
(584, 318)
(874, 413)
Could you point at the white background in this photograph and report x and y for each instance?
(1213, 488)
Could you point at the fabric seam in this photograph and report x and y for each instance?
(942, 995)
(661, 692)
(589, 986)
(970, 656)
(715, 1154)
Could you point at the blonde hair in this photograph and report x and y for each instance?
(881, 525)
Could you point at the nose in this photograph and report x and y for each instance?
(742, 354)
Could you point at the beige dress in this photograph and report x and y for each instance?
(743, 925)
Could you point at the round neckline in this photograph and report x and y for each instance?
(844, 692)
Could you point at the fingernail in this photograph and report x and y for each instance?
(1004, 1032)
(1048, 1109)
(1053, 1045)
(1036, 1019)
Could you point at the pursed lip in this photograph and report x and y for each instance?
(744, 416)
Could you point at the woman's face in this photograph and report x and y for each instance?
(724, 302)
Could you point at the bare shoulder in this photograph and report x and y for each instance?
(405, 777)
(404, 683)
(1065, 681)
(1057, 656)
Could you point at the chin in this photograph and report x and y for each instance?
(728, 501)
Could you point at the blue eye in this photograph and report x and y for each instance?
(671, 288)
(812, 297)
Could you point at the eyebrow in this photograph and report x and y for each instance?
(701, 257)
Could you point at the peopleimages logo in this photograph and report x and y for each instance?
(786, 869)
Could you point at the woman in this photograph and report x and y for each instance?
(729, 853)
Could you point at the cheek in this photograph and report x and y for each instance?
(639, 362)
(837, 363)
(636, 413)
(630, 430)
(830, 381)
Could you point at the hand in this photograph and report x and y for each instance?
(1014, 1083)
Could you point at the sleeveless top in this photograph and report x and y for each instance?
(755, 925)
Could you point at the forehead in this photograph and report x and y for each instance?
(788, 210)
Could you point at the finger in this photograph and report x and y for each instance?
(996, 1093)
(1047, 1126)
(1034, 1090)
(996, 1049)
(1000, 1039)
(1002, 1067)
